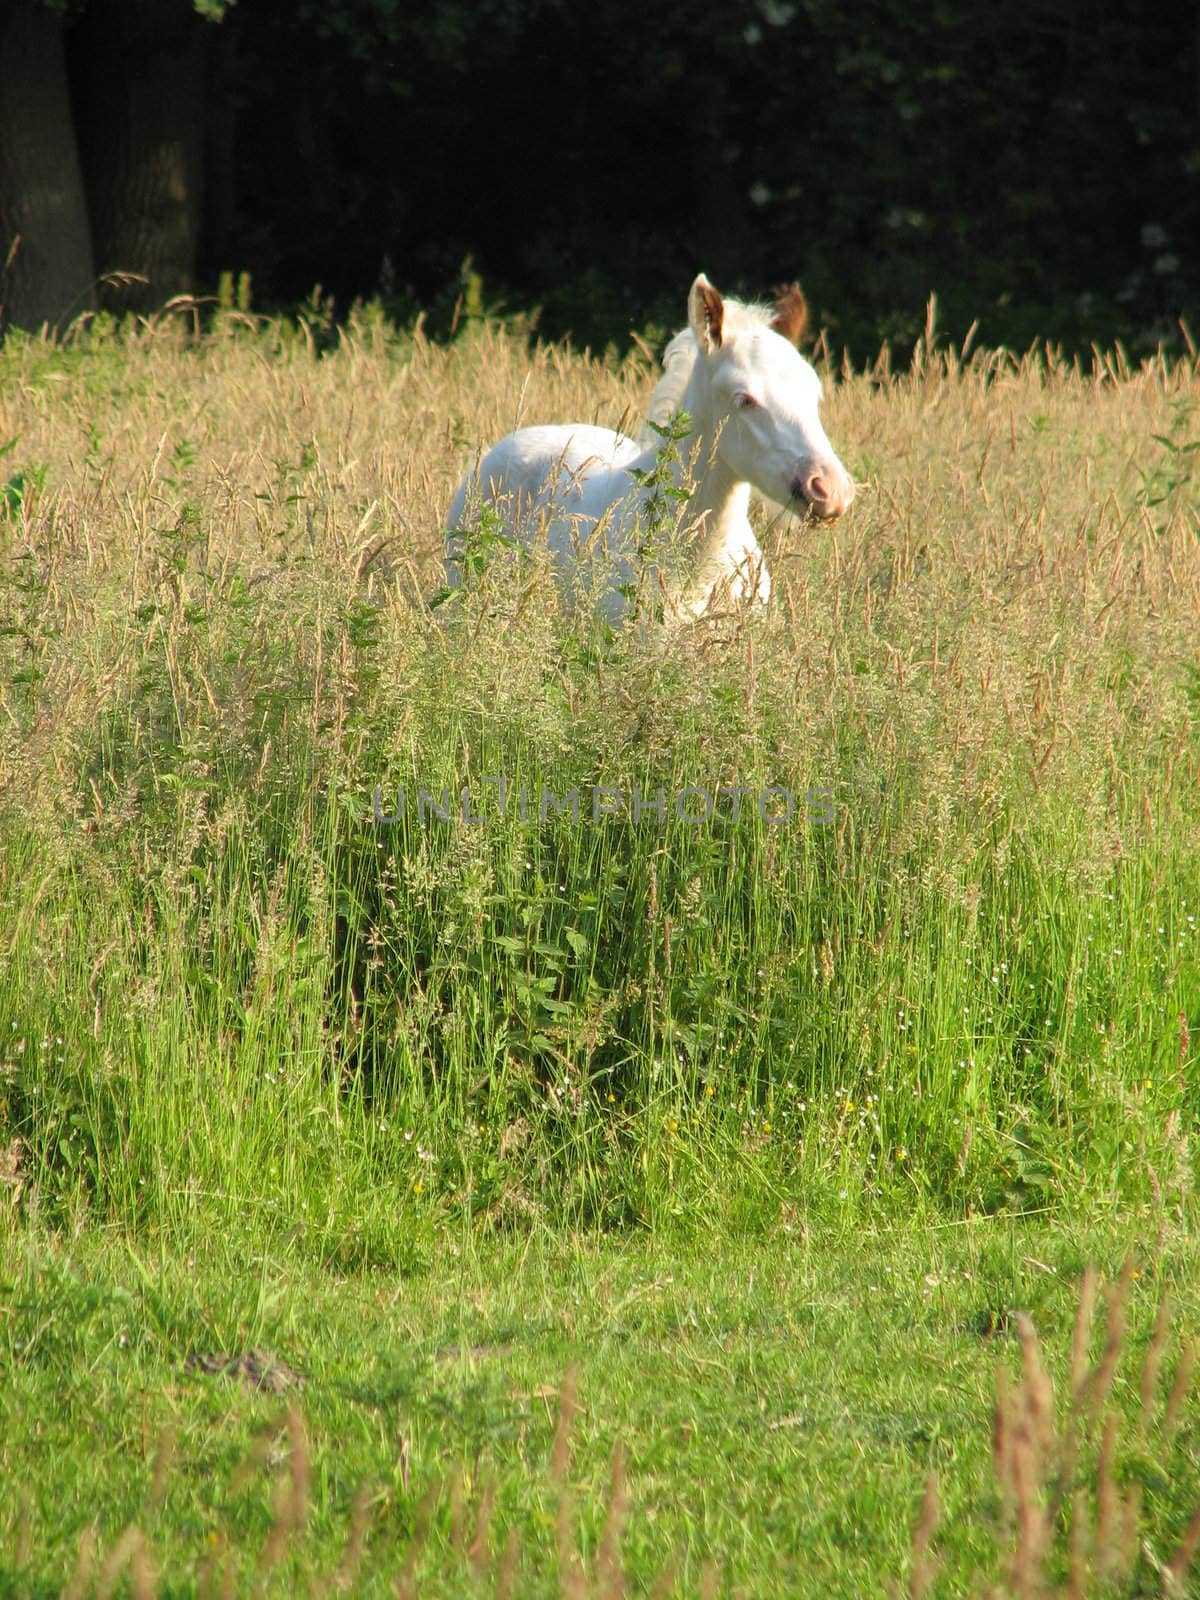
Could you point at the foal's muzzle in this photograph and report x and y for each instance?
(826, 491)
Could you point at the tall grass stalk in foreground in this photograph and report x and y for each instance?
(245, 982)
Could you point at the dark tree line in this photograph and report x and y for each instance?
(1036, 165)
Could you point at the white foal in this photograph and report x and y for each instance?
(753, 402)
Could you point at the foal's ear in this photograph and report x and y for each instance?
(791, 312)
(706, 313)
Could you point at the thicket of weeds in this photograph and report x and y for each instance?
(246, 977)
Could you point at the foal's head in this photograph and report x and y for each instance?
(768, 397)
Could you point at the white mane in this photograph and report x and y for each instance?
(678, 360)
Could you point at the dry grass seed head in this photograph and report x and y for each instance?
(85, 1565)
(560, 1453)
(1100, 1381)
(164, 1458)
(457, 1512)
(610, 1576)
(1180, 1386)
(510, 1566)
(1081, 1547)
(351, 1561)
(1152, 1364)
(1082, 1334)
(1176, 1568)
(128, 1554)
(477, 1551)
(924, 1562)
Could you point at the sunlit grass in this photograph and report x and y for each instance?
(773, 1411)
(965, 970)
(257, 988)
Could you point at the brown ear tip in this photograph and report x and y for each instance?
(791, 310)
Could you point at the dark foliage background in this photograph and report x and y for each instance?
(1038, 166)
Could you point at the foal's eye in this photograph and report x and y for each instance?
(745, 402)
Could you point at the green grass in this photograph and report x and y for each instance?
(778, 1404)
(273, 1071)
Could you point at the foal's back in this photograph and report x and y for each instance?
(529, 468)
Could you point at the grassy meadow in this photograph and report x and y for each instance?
(618, 1173)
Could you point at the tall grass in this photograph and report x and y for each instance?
(965, 975)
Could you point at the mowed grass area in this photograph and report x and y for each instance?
(775, 1409)
(290, 1060)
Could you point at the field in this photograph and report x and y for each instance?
(410, 1184)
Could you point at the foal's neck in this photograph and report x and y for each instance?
(720, 500)
(716, 518)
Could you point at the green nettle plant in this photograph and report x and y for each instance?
(663, 511)
(478, 544)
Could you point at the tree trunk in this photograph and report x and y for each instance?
(137, 76)
(45, 250)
